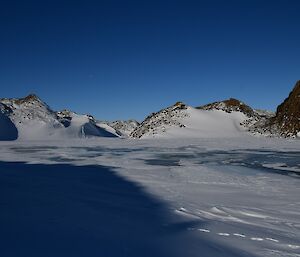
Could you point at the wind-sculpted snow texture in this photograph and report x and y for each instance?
(166, 197)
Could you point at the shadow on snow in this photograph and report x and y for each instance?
(64, 210)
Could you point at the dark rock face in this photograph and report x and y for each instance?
(287, 117)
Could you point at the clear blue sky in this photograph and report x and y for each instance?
(126, 59)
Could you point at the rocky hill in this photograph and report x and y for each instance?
(287, 119)
(285, 122)
(158, 122)
(230, 105)
(228, 118)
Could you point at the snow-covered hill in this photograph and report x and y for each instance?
(229, 118)
(34, 120)
(255, 120)
(32, 117)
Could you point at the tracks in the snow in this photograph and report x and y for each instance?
(243, 236)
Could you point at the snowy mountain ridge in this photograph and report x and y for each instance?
(31, 116)
(34, 119)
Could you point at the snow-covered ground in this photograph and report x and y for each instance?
(235, 196)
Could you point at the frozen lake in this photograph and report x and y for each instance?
(150, 198)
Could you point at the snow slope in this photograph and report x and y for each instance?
(185, 121)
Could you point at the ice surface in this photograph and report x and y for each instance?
(183, 197)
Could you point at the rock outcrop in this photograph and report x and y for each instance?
(230, 105)
(287, 118)
(158, 122)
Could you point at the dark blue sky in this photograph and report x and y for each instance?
(126, 59)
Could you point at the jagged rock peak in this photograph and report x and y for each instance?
(288, 113)
(29, 98)
(229, 105)
(180, 105)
